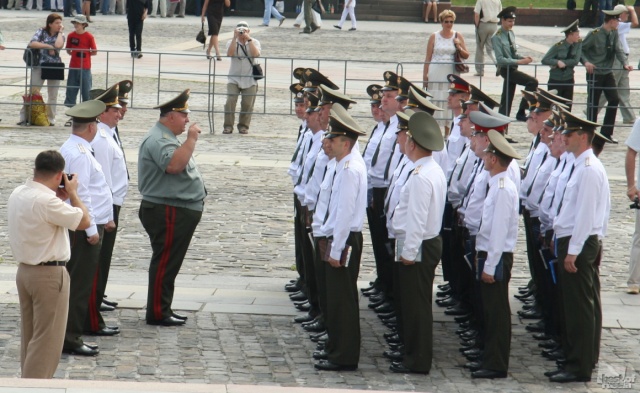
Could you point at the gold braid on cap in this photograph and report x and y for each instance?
(180, 109)
(116, 102)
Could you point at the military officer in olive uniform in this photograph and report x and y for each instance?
(508, 59)
(562, 58)
(599, 48)
(173, 195)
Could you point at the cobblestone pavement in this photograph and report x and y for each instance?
(246, 231)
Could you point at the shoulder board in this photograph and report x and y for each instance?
(501, 182)
(560, 43)
(499, 31)
(580, 40)
(417, 169)
(587, 161)
(103, 134)
(595, 31)
(81, 148)
(166, 136)
(346, 165)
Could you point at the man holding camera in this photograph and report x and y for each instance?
(38, 207)
(242, 50)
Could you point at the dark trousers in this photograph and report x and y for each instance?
(297, 231)
(582, 316)
(417, 317)
(447, 237)
(497, 319)
(379, 241)
(343, 314)
(135, 32)
(564, 88)
(462, 275)
(310, 282)
(94, 320)
(320, 277)
(170, 230)
(82, 269)
(512, 78)
(477, 307)
(596, 85)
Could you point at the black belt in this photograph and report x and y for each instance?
(482, 254)
(53, 263)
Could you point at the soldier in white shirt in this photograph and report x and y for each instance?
(96, 196)
(417, 223)
(495, 244)
(110, 156)
(293, 171)
(342, 223)
(379, 175)
(580, 225)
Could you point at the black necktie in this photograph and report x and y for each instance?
(116, 136)
(375, 155)
(373, 130)
(565, 188)
(544, 158)
(547, 185)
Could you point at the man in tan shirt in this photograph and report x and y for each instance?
(39, 220)
(485, 18)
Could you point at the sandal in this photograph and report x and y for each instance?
(208, 55)
(243, 131)
(227, 131)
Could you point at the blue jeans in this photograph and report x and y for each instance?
(78, 79)
(603, 5)
(270, 10)
(105, 6)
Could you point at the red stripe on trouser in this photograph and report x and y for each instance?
(93, 307)
(170, 221)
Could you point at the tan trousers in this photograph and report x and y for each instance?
(44, 303)
(246, 105)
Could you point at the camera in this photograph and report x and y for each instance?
(69, 177)
(241, 30)
(635, 204)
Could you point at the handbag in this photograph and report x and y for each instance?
(460, 65)
(201, 38)
(31, 56)
(52, 71)
(256, 69)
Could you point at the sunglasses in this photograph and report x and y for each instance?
(449, 22)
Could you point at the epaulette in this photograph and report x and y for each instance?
(501, 182)
(580, 40)
(587, 161)
(595, 31)
(499, 32)
(346, 165)
(81, 148)
(560, 43)
(166, 136)
(103, 134)
(417, 169)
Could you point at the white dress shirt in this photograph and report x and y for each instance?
(460, 176)
(322, 204)
(309, 164)
(372, 143)
(544, 207)
(536, 190)
(110, 156)
(418, 215)
(312, 189)
(93, 189)
(556, 198)
(385, 150)
(455, 145)
(298, 154)
(586, 204)
(442, 159)
(540, 154)
(400, 177)
(348, 202)
(499, 228)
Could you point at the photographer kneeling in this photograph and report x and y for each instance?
(242, 50)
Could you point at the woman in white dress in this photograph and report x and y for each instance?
(438, 64)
